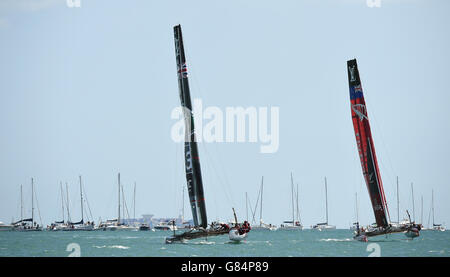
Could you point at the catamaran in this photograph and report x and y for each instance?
(293, 224)
(325, 225)
(192, 161)
(369, 163)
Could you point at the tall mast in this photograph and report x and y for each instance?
(356, 203)
(412, 195)
(118, 213)
(134, 201)
(246, 205)
(81, 198)
(365, 145)
(62, 200)
(298, 210)
(326, 199)
(123, 203)
(432, 204)
(67, 192)
(182, 208)
(398, 204)
(21, 204)
(32, 202)
(421, 209)
(292, 195)
(260, 208)
(192, 160)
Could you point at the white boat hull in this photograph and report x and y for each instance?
(235, 236)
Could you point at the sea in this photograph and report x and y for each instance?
(259, 243)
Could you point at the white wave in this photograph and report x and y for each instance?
(119, 247)
(336, 240)
(112, 246)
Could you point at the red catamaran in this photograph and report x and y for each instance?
(369, 162)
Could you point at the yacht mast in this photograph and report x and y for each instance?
(62, 200)
(292, 194)
(298, 210)
(134, 202)
(246, 205)
(67, 194)
(326, 200)
(412, 195)
(21, 204)
(260, 208)
(81, 197)
(118, 214)
(398, 204)
(421, 209)
(32, 202)
(432, 205)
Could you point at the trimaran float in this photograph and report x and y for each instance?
(369, 163)
(192, 163)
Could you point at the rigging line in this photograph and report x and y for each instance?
(380, 162)
(380, 132)
(87, 202)
(199, 90)
(39, 211)
(224, 184)
(125, 204)
(250, 205)
(256, 206)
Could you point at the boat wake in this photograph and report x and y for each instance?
(112, 246)
(336, 240)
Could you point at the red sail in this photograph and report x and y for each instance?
(365, 145)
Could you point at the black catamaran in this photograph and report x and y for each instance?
(192, 161)
(369, 163)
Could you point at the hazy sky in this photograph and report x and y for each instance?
(90, 91)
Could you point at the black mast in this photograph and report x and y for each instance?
(192, 162)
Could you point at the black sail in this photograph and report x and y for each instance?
(192, 161)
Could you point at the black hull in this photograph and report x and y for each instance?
(195, 234)
(413, 228)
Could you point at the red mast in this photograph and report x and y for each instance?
(365, 146)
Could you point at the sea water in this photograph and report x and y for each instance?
(260, 243)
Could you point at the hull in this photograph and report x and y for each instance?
(297, 228)
(235, 236)
(264, 228)
(409, 230)
(195, 234)
(6, 228)
(324, 227)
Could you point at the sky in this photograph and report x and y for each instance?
(89, 91)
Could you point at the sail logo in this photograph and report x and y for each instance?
(188, 159)
(183, 71)
(235, 124)
(73, 3)
(352, 73)
(373, 3)
(360, 111)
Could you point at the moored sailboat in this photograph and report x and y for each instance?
(325, 225)
(27, 224)
(262, 225)
(293, 224)
(436, 227)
